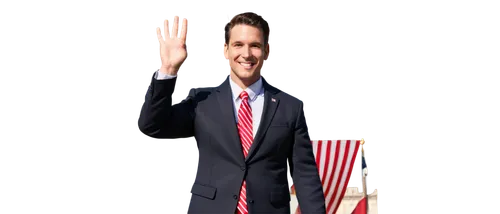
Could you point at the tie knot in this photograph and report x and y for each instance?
(244, 95)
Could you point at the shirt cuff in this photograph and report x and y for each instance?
(162, 76)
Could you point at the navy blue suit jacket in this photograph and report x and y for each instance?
(208, 115)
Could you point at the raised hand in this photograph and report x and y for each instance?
(173, 50)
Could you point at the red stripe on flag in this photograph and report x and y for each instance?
(354, 162)
(318, 156)
(341, 172)
(332, 173)
(361, 207)
(327, 161)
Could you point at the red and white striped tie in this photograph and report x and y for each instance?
(246, 136)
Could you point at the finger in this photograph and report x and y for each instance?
(166, 27)
(184, 30)
(159, 37)
(175, 27)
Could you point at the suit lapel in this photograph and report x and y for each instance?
(224, 97)
(271, 103)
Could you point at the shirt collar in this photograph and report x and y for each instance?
(253, 90)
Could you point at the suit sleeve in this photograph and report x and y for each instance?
(159, 118)
(304, 170)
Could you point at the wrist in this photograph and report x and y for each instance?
(168, 70)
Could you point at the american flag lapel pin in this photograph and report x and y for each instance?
(272, 99)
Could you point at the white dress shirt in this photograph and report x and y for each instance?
(255, 98)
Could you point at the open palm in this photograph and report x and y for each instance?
(173, 50)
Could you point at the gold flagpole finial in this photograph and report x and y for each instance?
(362, 148)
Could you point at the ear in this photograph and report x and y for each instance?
(268, 51)
(266, 54)
(225, 51)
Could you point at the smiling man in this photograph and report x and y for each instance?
(246, 130)
(246, 48)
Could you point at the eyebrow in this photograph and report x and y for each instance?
(252, 43)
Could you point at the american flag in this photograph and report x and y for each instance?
(335, 159)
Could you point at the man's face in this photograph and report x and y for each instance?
(246, 52)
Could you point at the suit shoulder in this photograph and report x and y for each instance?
(285, 96)
(201, 89)
(204, 89)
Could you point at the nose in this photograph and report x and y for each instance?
(246, 53)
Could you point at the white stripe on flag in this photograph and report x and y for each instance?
(336, 176)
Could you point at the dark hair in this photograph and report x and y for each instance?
(251, 19)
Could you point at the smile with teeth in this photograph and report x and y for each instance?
(247, 65)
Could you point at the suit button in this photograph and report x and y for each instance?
(251, 201)
(243, 168)
(235, 197)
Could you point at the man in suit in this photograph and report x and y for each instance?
(245, 129)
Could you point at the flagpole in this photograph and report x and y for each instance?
(365, 173)
(364, 182)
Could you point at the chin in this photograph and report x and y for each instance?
(246, 75)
